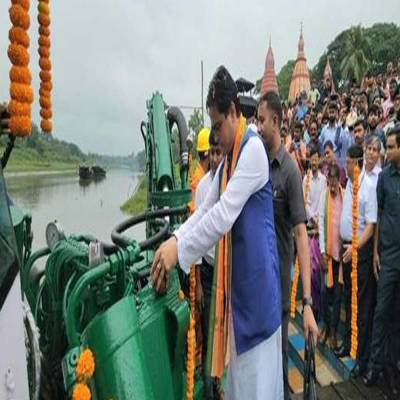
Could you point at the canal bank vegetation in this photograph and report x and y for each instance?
(43, 152)
(137, 203)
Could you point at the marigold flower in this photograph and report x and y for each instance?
(45, 64)
(46, 114)
(46, 125)
(22, 93)
(44, 52)
(81, 392)
(19, 17)
(46, 85)
(25, 4)
(44, 31)
(85, 366)
(18, 55)
(16, 108)
(44, 41)
(45, 102)
(43, 8)
(20, 125)
(44, 20)
(18, 36)
(45, 76)
(20, 75)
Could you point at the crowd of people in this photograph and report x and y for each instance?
(285, 190)
(326, 133)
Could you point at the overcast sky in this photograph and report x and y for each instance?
(109, 56)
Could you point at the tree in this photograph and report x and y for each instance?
(284, 78)
(195, 121)
(379, 43)
(358, 55)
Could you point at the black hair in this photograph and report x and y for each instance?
(273, 103)
(360, 121)
(329, 144)
(203, 155)
(393, 80)
(313, 151)
(222, 92)
(298, 125)
(213, 138)
(332, 104)
(333, 171)
(356, 152)
(374, 109)
(395, 131)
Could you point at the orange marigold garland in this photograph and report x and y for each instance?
(296, 265)
(81, 392)
(21, 92)
(84, 371)
(45, 66)
(354, 263)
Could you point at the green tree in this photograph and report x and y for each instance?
(357, 57)
(284, 77)
(195, 121)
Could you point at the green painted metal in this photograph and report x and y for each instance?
(116, 341)
(163, 177)
(17, 217)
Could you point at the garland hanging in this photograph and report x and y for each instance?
(84, 371)
(354, 263)
(191, 335)
(21, 92)
(296, 265)
(45, 66)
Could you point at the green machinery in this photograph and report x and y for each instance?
(86, 294)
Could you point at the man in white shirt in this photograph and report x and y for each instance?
(367, 216)
(373, 148)
(250, 342)
(317, 184)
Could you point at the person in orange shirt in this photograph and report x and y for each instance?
(203, 146)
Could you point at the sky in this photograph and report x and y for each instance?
(109, 56)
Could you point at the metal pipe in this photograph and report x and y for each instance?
(83, 282)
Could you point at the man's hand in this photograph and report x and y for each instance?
(347, 253)
(377, 265)
(324, 262)
(164, 261)
(309, 324)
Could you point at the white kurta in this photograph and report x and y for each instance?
(257, 373)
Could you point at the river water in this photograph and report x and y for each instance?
(81, 207)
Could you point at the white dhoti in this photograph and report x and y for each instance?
(256, 374)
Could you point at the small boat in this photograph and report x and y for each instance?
(93, 172)
(98, 171)
(84, 172)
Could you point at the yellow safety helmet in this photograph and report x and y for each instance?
(203, 140)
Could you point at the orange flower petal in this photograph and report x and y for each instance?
(19, 36)
(20, 125)
(19, 17)
(18, 55)
(44, 20)
(20, 75)
(22, 93)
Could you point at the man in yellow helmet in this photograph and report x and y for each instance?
(203, 146)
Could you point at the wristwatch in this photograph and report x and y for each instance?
(307, 301)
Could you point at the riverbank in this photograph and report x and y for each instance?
(29, 160)
(137, 203)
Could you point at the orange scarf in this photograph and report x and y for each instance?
(219, 337)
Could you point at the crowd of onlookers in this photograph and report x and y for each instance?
(327, 133)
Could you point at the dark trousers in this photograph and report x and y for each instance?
(206, 278)
(366, 303)
(385, 316)
(331, 297)
(285, 353)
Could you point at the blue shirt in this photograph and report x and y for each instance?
(341, 139)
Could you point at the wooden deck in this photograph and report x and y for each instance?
(353, 389)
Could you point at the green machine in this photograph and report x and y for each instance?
(85, 294)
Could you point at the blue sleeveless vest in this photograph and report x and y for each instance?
(256, 287)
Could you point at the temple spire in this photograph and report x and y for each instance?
(269, 82)
(300, 78)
